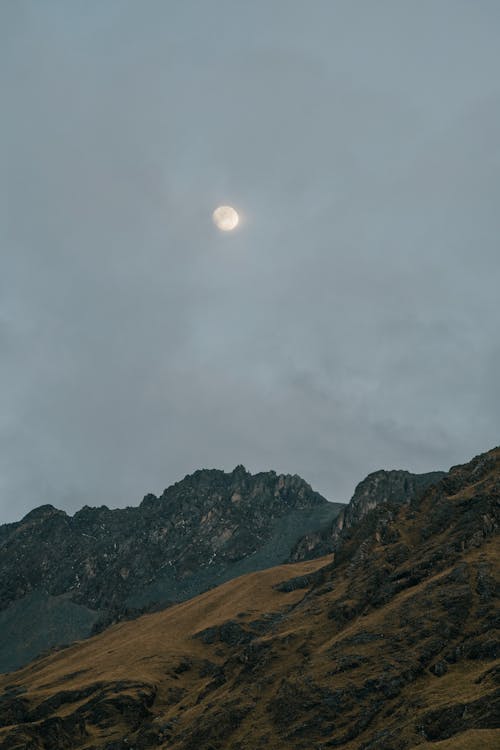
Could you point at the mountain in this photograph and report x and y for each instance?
(392, 645)
(395, 486)
(75, 575)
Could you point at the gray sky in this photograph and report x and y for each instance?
(350, 323)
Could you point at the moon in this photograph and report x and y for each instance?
(225, 218)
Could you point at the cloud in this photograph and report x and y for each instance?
(349, 324)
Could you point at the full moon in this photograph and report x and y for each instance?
(225, 218)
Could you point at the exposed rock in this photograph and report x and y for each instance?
(395, 487)
(448, 721)
(439, 668)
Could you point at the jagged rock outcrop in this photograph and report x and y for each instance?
(392, 645)
(77, 574)
(398, 487)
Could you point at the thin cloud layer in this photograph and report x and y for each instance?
(350, 323)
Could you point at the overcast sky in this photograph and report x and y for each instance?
(350, 323)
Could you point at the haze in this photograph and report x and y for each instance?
(351, 324)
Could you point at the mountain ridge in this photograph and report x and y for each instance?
(77, 574)
(391, 645)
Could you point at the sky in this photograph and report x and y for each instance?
(350, 322)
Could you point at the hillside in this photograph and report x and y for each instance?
(75, 575)
(391, 645)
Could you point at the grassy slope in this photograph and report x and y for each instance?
(140, 649)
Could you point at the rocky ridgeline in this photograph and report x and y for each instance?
(74, 575)
(396, 486)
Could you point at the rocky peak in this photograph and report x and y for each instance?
(265, 492)
(395, 486)
(473, 472)
(240, 471)
(41, 513)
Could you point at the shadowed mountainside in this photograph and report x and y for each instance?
(392, 645)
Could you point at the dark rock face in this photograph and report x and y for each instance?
(446, 722)
(76, 575)
(396, 487)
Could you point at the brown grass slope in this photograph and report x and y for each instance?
(393, 645)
